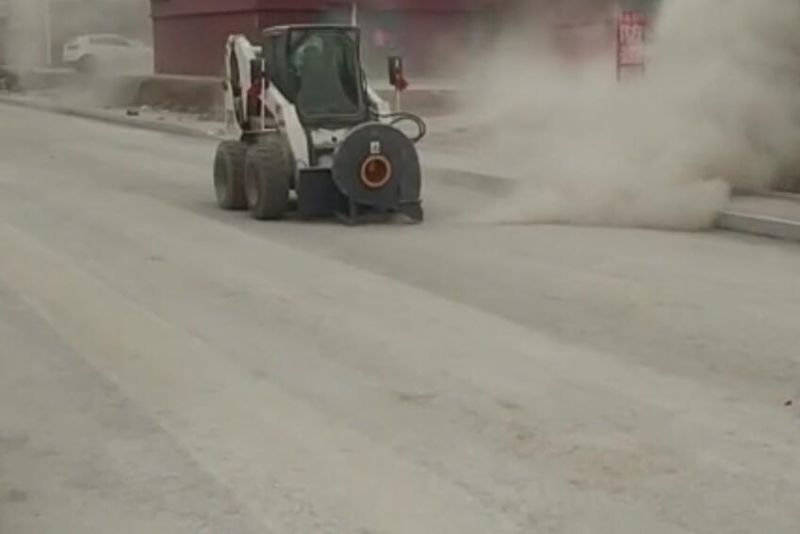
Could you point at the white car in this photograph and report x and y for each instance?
(108, 53)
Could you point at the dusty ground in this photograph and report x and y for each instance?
(166, 367)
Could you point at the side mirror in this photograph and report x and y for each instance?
(396, 73)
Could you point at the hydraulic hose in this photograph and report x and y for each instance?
(396, 118)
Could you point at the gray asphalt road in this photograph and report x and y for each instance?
(169, 368)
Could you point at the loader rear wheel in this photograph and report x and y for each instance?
(267, 178)
(87, 65)
(229, 175)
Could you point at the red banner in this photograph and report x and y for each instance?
(631, 40)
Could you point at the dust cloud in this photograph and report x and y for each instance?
(24, 43)
(718, 109)
(24, 48)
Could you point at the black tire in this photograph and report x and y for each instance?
(229, 175)
(268, 177)
(87, 65)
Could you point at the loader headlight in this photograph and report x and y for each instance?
(376, 171)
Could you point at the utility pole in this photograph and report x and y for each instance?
(48, 32)
(354, 14)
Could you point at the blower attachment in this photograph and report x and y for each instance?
(377, 169)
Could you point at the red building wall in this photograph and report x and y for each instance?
(189, 35)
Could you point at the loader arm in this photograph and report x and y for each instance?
(254, 107)
(239, 53)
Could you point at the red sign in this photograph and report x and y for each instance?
(631, 38)
(396, 73)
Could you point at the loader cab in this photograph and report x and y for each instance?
(317, 68)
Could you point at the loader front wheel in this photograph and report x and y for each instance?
(267, 178)
(229, 175)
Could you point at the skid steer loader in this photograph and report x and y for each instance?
(308, 133)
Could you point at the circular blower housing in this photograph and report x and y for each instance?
(378, 166)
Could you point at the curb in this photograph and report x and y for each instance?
(473, 180)
(741, 222)
(476, 177)
(450, 175)
(759, 225)
(108, 118)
